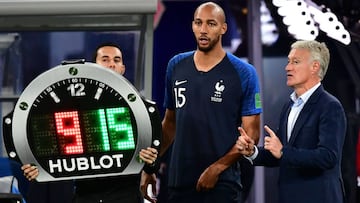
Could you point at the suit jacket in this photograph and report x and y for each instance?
(310, 165)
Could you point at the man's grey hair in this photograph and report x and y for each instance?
(318, 52)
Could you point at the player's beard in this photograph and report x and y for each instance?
(211, 45)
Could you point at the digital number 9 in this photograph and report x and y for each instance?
(69, 134)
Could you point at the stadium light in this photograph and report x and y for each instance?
(304, 19)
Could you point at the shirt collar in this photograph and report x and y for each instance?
(304, 97)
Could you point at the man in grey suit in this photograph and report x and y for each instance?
(307, 146)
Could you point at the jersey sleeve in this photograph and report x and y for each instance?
(252, 101)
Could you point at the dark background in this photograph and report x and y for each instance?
(172, 35)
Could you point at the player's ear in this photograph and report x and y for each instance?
(223, 28)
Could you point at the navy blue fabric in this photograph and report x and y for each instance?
(223, 192)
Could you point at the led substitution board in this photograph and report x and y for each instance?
(79, 121)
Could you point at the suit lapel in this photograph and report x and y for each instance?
(284, 119)
(305, 113)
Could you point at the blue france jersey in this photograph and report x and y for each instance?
(208, 107)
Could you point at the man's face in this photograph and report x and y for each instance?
(111, 57)
(300, 68)
(208, 26)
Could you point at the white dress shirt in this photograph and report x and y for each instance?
(296, 108)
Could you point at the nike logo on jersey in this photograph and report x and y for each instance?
(177, 82)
